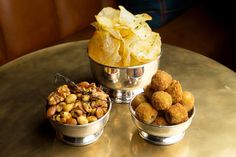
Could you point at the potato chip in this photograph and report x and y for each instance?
(136, 24)
(143, 17)
(104, 49)
(108, 17)
(143, 50)
(123, 39)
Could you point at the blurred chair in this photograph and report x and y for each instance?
(29, 25)
(162, 11)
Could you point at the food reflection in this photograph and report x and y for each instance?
(140, 148)
(134, 75)
(112, 74)
(119, 130)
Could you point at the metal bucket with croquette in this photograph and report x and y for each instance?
(163, 112)
(163, 102)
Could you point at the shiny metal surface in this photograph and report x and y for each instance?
(158, 140)
(162, 135)
(81, 134)
(124, 82)
(26, 82)
(80, 141)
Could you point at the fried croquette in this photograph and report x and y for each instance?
(148, 91)
(161, 100)
(160, 121)
(161, 80)
(146, 113)
(187, 100)
(140, 98)
(176, 114)
(175, 90)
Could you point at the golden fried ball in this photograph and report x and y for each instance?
(176, 114)
(175, 90)
(187, 100)
(160, 121)
(161, 80)
(138, 100)
(161, 100)
(146, 113)
(148, 91)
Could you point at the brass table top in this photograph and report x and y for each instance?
(26, 82)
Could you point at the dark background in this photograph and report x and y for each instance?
(206, 27)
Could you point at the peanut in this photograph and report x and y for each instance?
(51, 111)
(71, 98)
(82, 120)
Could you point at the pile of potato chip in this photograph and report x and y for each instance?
(122, 39)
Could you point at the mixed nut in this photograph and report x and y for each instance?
(81, 104)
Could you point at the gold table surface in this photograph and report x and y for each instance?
(26, 82)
